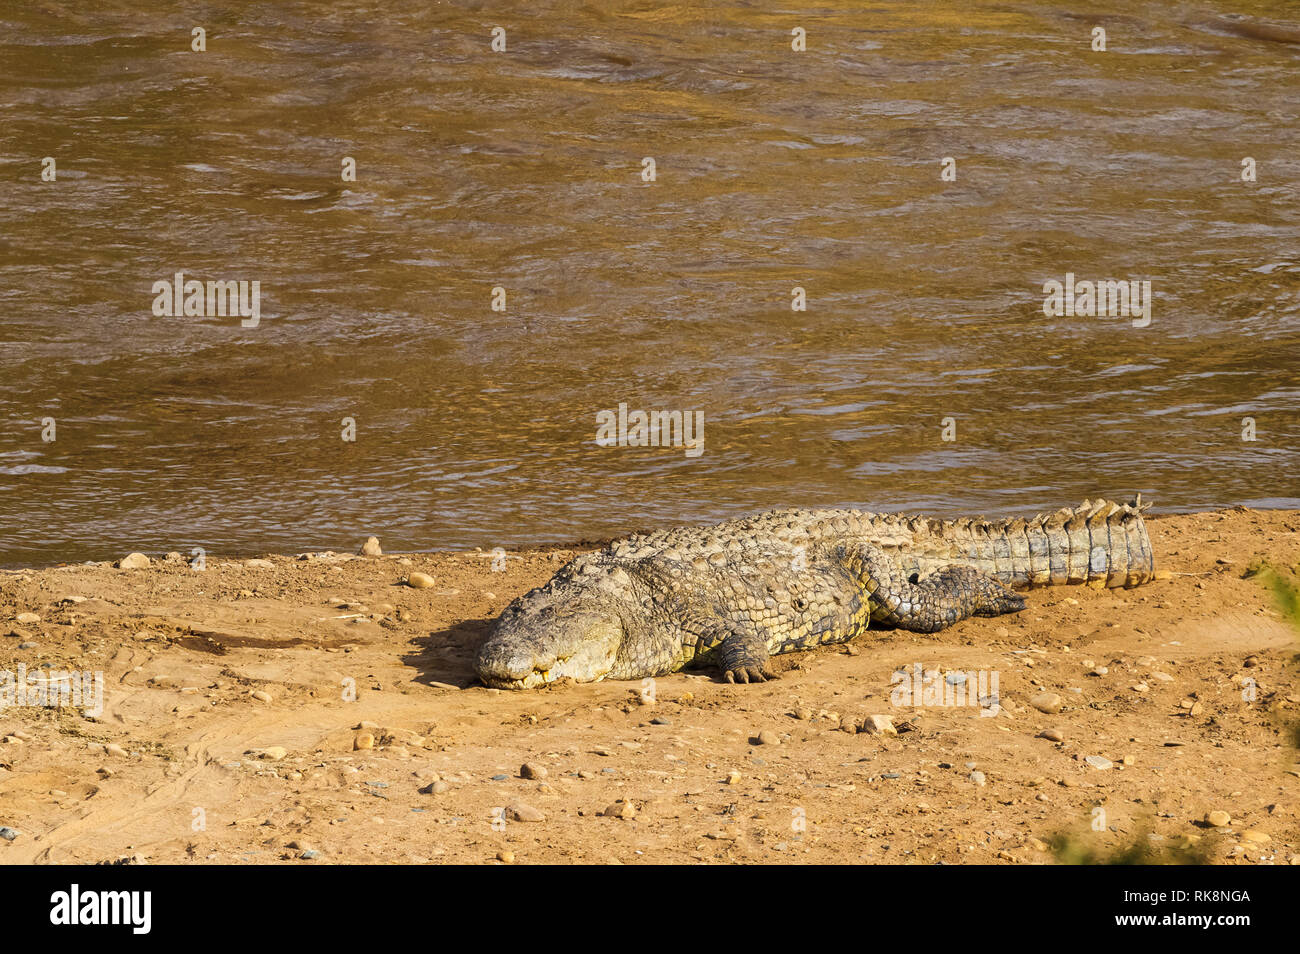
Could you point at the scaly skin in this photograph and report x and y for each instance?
(735, 594)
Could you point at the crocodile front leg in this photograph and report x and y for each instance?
(952, 593)
(739, 651)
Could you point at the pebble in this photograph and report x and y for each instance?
(533, 770)
(363, 740)
(274, 754)
(879, 725)
(9, 834)
(1048, 702)
(1098, 762)
(113, 748)
(1255, 837)
(1052, 735)
(768, 737)
(506, 857)
(259, 564)
(420, 581)
(371, 547)
(435, 788)
(261, 695)
(27, 645)
(1162, 677)
(134, 561)
(522, 812)
(733, 778)
(27, 618)
(1219, 819)
(978, 778)
(660, 720)
(309, 854)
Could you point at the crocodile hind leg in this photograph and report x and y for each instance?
(953, 592)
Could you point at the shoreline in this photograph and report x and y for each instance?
(317, 710)
(572, 547)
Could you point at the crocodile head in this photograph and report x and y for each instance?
(569, 628)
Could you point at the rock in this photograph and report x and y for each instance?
(112, 748)
(27, 618)
(274, 754)
(259, 564)
(1218, 819)
(803, 714)
(371, 547)
(768, 737)
(1098, 762)
(435, 788)
(878, 725)
(522, 812)
(9, 834)
(27, 645)
(134, 561)
(533, 770)
(363, 740)
(620, 809)
(506, 857)
(420, 581)
(310, 854)
(1048, 702)
(1162, 677)
(1052, 735)
(733, 777)
(261, 695)
(1255, 837)
(978, 778)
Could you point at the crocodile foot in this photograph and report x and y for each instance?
(744, 658)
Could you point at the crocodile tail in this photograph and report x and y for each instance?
(1099, 542)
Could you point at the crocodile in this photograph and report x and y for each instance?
(734, 594)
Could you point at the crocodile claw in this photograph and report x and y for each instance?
(752, 674)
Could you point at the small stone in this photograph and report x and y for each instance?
(363, 740)
(533, 770)
(1141, 687)
(1255, 837)
(310, 854)
(27, 618)
(27, 645)
(1162, 677)
(9, 834)
(803, 714)
(1097, 762)
(978, 778)
(878, 725)
(521, 812)
(768, 737)
(506, 857)
(733, 778)
(371, 547)
(1218, 819)
(274, 754)
(1052, 735)
(134, 561)
(620, 809)
(261, 695)
(1100, 671)
(113, 748)
(420, 581)
(1048, 702)
(435, 788)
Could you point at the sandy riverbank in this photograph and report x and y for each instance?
(184, 652)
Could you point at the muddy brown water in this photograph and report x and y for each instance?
(523, 170)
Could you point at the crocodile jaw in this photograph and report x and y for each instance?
(525, 652)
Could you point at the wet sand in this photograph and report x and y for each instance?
(210, 772)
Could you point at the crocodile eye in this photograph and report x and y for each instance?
(799, 603)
